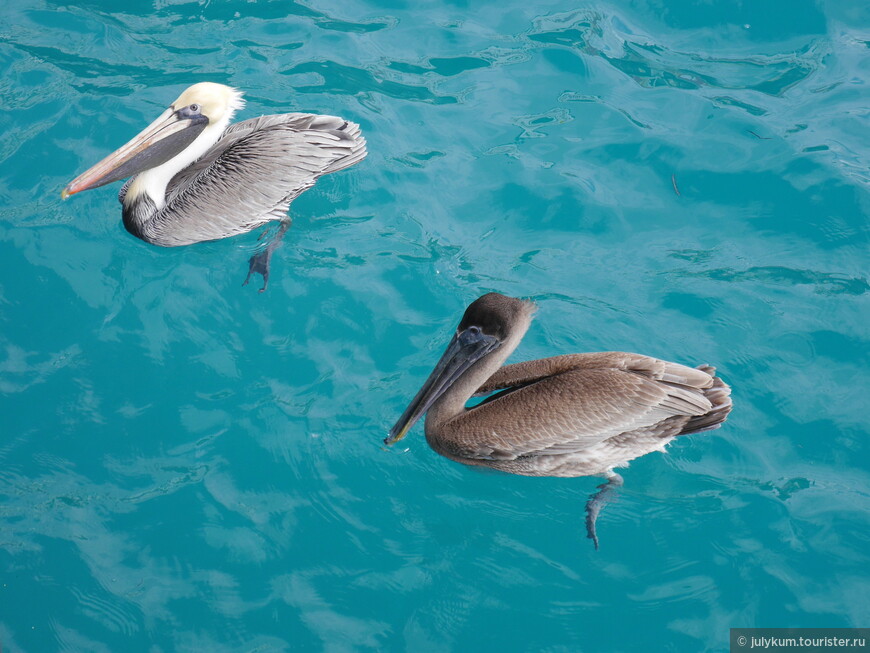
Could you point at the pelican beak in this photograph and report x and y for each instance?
(173, 131)
(465, 349)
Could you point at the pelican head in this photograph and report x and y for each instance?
(182, 133)
(490, 323)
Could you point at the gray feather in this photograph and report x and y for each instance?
(248, 178)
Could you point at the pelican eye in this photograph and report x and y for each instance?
(194, 108)
(474, 330)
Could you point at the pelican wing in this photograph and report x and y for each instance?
(519, 374)
(568, 403)
(251, 175)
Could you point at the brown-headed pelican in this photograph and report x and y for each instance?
(199, 178)
(572, 415)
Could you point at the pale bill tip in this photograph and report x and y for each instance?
(395, 437)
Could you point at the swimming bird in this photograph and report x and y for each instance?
(196, 177)
(571, 415)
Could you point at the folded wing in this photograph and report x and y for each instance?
(251, 175)
(564, 404)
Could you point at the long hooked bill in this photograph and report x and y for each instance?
(154, 145)
(465, 349)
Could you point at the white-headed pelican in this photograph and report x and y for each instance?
(196, 177)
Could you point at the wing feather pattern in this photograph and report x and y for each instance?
(566, 404)
(251, 176)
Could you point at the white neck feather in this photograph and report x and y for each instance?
(153, 182)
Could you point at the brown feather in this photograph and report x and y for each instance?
(571, 415)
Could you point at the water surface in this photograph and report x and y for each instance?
(188, 465)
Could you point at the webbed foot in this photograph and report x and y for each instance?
(259, 262)
(606, 493)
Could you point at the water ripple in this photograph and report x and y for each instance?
(199, 467)
(335, 77)
(651, 64)
(825, 282)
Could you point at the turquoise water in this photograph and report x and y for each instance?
(188, 465)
